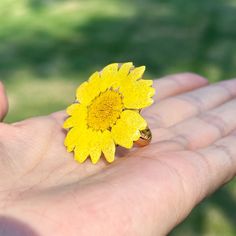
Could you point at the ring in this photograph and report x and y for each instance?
(106, 113)
(145, 137)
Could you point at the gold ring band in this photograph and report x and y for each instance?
(145, 138)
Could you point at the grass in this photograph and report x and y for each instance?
(47, 48)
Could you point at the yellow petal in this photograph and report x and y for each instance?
(109, 77)
(72, 108)
(82, 148)
(70, 148)
(95, 155)
(125, 69)
(136, 73)
(81, 153)
(108, 146)
(78, 116)
(137, 94)
(109, 70)
(121, 135)
(94, 145)
(133, 120)
(72, 137)
(87, 91)
(70, 122)
(127, 128)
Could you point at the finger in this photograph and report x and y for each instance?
(173, 110)
(176, 84)
(59, 116)
(220, 162)
(3, 102)
(205, 170)
(203, 130)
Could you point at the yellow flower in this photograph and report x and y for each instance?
(106, 113)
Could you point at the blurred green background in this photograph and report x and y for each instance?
(47, 47)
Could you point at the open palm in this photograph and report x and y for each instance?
(146, 191)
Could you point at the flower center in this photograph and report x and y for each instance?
(104, 110)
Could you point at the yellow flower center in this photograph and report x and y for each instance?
(104, 110)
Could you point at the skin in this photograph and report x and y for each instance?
(146, 191)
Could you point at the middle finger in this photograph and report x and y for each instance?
(175, 109)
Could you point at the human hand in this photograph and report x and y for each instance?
(146, 191)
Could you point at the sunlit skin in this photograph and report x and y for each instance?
(146, 191)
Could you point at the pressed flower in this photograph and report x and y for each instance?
(107, 112)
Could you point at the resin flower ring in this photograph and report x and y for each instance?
(107, 113)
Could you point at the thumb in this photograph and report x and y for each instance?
(3, 102)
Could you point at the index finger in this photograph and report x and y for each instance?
(173, 85)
